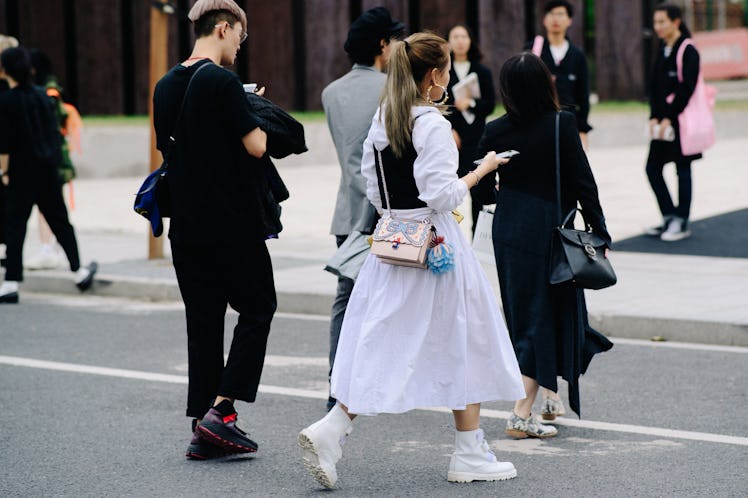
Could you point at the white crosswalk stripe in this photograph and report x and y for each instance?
(305, 393)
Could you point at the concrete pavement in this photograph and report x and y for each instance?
(681, 298)
(94, 390)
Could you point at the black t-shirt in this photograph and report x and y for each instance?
(30, 135)
(212, 178)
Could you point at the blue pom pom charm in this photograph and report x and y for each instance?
(441, 257)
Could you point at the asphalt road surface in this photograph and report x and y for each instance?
(93, 391)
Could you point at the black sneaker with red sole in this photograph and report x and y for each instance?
(203, 450)
(218, 428)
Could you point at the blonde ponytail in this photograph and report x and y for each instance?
(408, 63)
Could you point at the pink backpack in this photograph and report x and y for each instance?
(696, 122)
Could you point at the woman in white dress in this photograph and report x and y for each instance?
(412, 338)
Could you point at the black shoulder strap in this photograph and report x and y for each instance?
(172, 140)
(558, 171)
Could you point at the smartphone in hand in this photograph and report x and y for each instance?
(500, 155)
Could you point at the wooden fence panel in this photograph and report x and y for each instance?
(99, 56)
(3, 17)
(42, 28)
(618, 50)
(326, 28)
(399, 9)
(500, 37)
(440, 15)
(269, 53)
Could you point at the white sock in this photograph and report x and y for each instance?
(8, 287)
(81, 274)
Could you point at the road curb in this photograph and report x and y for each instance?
(624, 326)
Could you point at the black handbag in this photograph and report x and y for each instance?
(577, 256)
(153, 200)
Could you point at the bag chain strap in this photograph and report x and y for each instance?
(384, 184)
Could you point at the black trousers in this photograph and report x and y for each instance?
(655, 163)
(48, 198)
(210, 278)
(2, 212)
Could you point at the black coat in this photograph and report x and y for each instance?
(547, 323)
(664, 82)
(470, 134)
(572, 82)
(285, 134)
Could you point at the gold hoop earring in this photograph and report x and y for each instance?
(445, 94)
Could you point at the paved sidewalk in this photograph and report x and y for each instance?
(683, 298)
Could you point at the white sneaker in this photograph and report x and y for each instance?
(473, 460)
(675, 231)
(46, 259)
(322, 443)
(521, 428)
(656, 230)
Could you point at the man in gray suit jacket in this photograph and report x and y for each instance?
(350, 102)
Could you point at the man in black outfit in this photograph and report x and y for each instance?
(217, 237)
(30, 135)
(567, 63)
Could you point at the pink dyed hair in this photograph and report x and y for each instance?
(202, 7)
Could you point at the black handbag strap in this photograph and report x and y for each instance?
(562, 222)
(558, 171)
(172, 140)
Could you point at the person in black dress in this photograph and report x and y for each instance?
(547, 323)
(668, 97)
(468, 116)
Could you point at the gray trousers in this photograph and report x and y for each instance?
(345, 287)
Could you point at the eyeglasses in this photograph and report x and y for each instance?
(242, 37)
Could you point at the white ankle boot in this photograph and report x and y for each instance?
(473, 460)
(322, 443)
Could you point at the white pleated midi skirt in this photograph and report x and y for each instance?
(413, 339)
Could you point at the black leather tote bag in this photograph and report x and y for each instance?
(577, 255)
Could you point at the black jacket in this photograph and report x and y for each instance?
(470, 133)
(664, 81)
(533, 172)
(484, 106)
(572, 82)
(29, 133)
(285, 134)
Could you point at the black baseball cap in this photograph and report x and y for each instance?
(374, 24)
